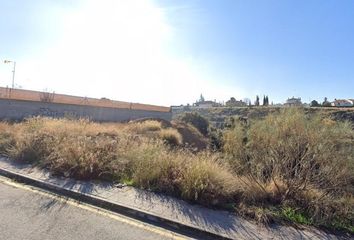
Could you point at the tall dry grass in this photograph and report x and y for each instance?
(290, 159)
(287, 161)
(171, 136)
(143, 154)
(144, 127)
(6, 137)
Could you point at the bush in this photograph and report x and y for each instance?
(30, 147)
(83, 157)
(197, 121)
(215, 136)
(207, 180)
(297, 150)
(154, 167)
(295, 155)
(6, 137)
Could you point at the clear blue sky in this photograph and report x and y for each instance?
(168, 52)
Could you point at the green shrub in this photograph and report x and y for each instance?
(292, 215)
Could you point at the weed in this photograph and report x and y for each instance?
(171, 136)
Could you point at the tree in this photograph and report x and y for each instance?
(326, 103)
(256, 103)
(265, 101)
(201, 99)
(314, 103)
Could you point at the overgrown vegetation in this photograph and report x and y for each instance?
(296, 162)
(197, 121)
(171, 136)
(144, 154)
(286, 166)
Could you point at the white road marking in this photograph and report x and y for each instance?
(96, 210)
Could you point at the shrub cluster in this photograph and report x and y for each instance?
(295, 161)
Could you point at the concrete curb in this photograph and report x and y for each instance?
(188, 230)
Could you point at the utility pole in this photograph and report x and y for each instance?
(13, 76)
(13, 72)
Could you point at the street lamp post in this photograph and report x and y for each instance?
(13, 72)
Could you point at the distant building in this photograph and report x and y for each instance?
(342, 103)
(180, 108)
(177, 108)
(293, 102)
(306, 105)
(206, 104)
(326, 103)
(235, 103)
(202, 103)
(277, 105)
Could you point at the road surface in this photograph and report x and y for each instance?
(29, 213)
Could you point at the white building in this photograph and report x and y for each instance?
(342, 103)
(293, 102)
(205, 104)
(235, 103)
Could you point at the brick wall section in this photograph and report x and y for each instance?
(19, 109)
(36, 96)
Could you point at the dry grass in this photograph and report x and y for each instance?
(208, 180)
(288, 162)
(171, 136)
(191, 137)
(297, 161)
(6, 137)
(141, 153)
(144, 127)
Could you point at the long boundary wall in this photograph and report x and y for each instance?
(11, 109)
(36, 96)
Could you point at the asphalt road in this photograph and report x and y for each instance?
(29, 213)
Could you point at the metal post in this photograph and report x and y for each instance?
(13, 72)
(13, 75)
